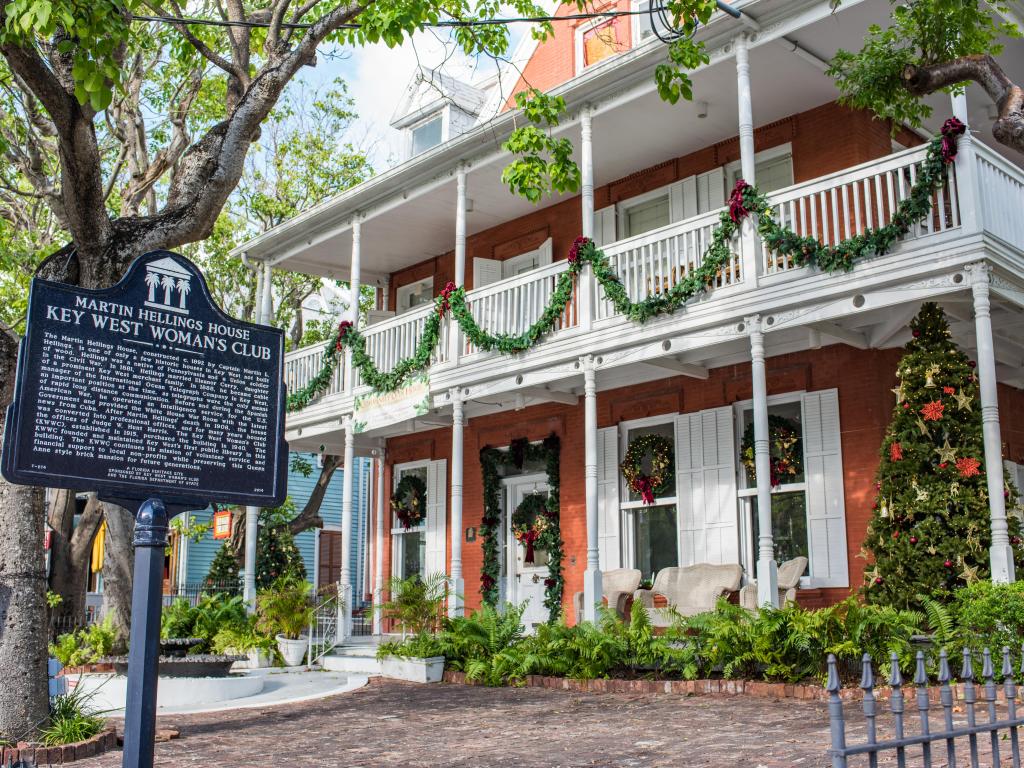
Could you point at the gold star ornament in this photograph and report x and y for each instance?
(969, 574)
(963, 400)
(946, 453)
(922, 426)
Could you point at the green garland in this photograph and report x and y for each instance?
(785, 450)
(550, 539)
(662, 475)
(745, 200)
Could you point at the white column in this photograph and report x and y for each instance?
(460, 227)
(592, 591)
(347, 527)
(1000, 553)
(355, 270)
(968, 194)
(267, 299)
(746, 110)
(767, 568)
(458, 585)
(378, 552)
(586, 286)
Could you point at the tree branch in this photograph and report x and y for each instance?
(309, 517)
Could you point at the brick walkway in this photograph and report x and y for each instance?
(394, 724)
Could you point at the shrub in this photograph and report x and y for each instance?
(416, 604)
(87, 645)
(72, 719)
(242, 638)
(204, 620)
(990, 615)
(286, 608)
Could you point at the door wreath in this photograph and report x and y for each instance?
(785, 450)
(658, 481)
(409, 501)
(530, 522)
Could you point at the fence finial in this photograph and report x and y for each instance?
(987, 671)
(967, 671)
(1007, 670)
(832, 685)
(944, 674)
(867, 674)
(895, 677)
(920, 674)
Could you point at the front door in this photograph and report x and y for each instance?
(329, 560)
(525, 580)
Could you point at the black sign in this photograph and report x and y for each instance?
(148, 389)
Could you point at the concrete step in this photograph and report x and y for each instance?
(356, 659)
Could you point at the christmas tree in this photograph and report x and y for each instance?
(276, 553)
(929, 531)
(223, 573)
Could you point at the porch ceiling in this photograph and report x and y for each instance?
(632, 130)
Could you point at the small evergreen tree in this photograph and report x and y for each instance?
(276, 553)
(930, 531)
(223, 573)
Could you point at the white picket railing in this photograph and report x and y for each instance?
(653, 262)
(849, 202)
(392, 340)
(512, 305)
(301, 365)
(1001, 188)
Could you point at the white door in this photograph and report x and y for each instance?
(525, 582)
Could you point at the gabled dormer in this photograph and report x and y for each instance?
(434, 108)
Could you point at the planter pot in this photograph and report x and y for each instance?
(293, 651)
(255, 659)
(415, 670)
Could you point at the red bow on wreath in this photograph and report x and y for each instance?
(577, 246)
(528, 537)
(737, 205)
(445, 304)
(343, 330)
(951, 129)
(643, 486)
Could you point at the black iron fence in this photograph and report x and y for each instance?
(959, 737)
(194, 590)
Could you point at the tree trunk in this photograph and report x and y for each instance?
(309, 517)
(24, 702)
(70, 553)
(118, 566)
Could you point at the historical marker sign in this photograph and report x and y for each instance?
(148, 389)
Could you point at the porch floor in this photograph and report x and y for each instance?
(402, 724)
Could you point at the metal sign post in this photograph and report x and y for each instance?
(148, 394)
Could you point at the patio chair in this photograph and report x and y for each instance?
(617, 585)
(789, 582)
(689, 590)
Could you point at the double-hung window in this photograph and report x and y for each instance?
(409, 543)
(650, 531)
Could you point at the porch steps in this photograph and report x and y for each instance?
(355, 658)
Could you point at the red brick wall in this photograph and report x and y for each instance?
(863, 378)
(824, 139)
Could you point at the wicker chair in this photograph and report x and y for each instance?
(789, 582)
(616, 586)
(689, 590)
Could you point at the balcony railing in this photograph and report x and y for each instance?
(830, 209)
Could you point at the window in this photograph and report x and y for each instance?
(644, 213)
(599, 40)
(643, 29)
(773, 169)
(517, 265)
(414, 294)
(652, 538)
(410, 544)
(789, 494)
(426, 135)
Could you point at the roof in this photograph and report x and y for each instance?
(428, 90)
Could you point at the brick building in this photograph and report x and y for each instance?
(771, 341)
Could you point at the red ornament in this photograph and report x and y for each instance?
(913, 539)
(943, 465)
(896, 452)
(933, 411)
(968, 467)
(895, 534)
(879, 580)
(949, 390)
(948, 563)
(905, 406)
(972, 364)
(917, 334)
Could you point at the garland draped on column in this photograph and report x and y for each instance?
(744, 201)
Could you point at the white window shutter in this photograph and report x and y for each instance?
(710, 190)
(604, 226)
(485, 272)
(706, 487)
(826, 509)
(608, 515)
(544, 253)
(436, 538)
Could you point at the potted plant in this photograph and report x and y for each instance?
(285, 610)
(246, 640)
(416, 605)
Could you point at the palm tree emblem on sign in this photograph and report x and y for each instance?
(168, 275)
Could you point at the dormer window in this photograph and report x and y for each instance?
(599, 40)
(427, 134)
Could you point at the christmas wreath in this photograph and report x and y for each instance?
(657, 482)
(785, 450)
(408, 502)
(530, 521)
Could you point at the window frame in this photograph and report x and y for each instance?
(623, 208)
(403, 292)
(744, 495)
(398, 533)
(765, 155)
(627, 507)
(582, 29)
(439, 116)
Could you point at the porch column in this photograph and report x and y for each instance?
(748, 234)
(458, 585)
(460, 227)
(267, 299)
(767, 568)
(592, 591)
(968, 194)
(345, 579)
(354, 274)
(585, 286)
(378, 550)
(1000, 553)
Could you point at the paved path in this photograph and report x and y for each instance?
(395, 724)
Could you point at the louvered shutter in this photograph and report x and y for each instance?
(710, 190)
(485, 272)
(609, 517)
(826, 510)
(436, 551)
(706, 487)
(604, 226)
(544, 253)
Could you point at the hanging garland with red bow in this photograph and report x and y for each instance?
(659, 480)
(745, 201)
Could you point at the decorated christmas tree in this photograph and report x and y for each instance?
(929, 531)
(276, 553)
(223, 573)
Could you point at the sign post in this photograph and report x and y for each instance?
(148, 394)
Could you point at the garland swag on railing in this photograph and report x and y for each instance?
(744, 201)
